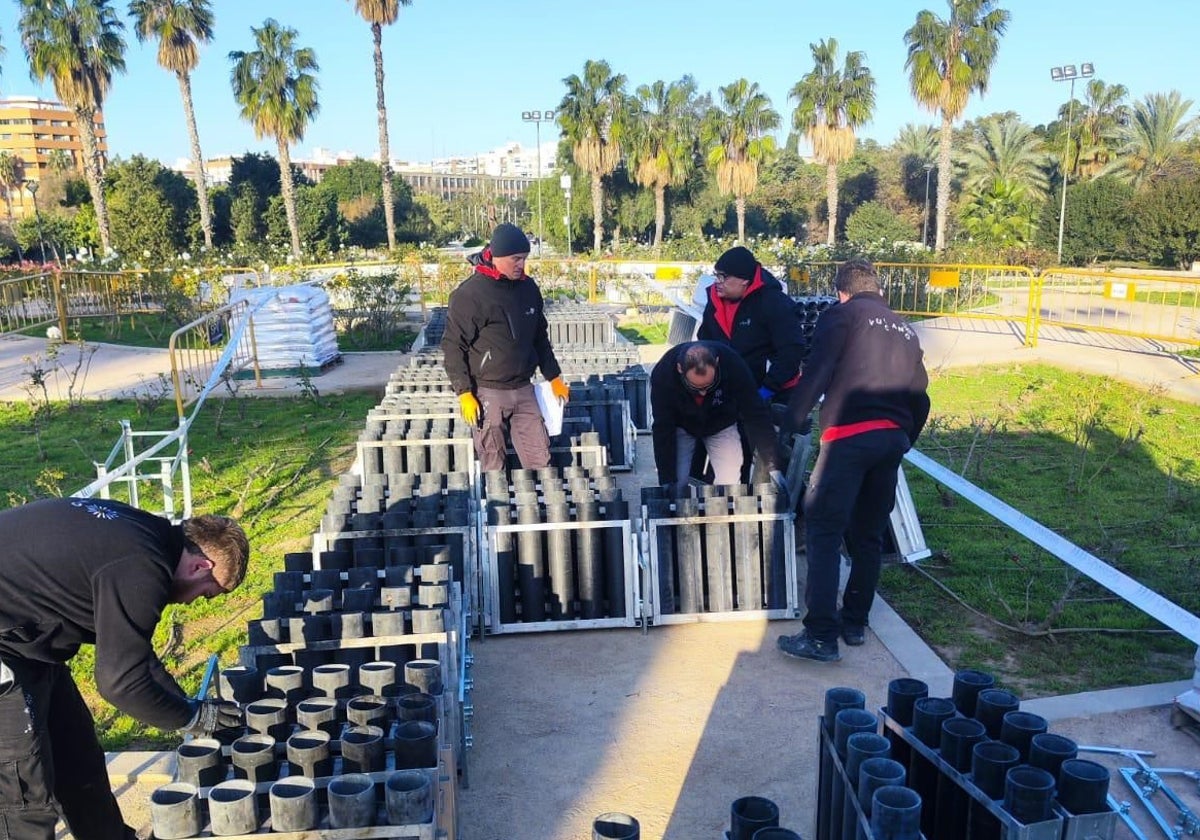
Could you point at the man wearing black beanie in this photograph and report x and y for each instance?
(748, 310)
(496, 336)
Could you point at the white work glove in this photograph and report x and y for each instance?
(779, 481)
(211, 715)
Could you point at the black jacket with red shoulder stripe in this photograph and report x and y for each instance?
(762, 327)
(496, 332)
(868, 363)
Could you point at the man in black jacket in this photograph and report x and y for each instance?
(496, 336)
(84, 571)
(699, 391)
(748, 310)
(867, 362)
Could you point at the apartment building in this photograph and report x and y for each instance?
(33, 130)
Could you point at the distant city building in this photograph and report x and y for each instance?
(507, 171)
(33, 130)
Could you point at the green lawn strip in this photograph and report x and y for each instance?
(140, 329)
(645, 332)
(271, 462)
(1112, 468)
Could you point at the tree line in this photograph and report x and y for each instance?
(660, 165)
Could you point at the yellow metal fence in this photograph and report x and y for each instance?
(1156, 307)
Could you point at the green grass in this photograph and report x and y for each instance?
(272, 463)
(1183, 300)
(154, 330)
(644, 332)
(360, 340)
(142, 329)
(1114, 469)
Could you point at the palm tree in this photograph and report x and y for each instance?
(276, 88)
(60, 161)
(11, 174)
(77, 45)
(662, 141)
(592, 115)
(380, 13)
(1100, 126)
(918, 143)
(1006, 152)
(1155, 138)
(735, 133)
(947, 60)
(180, 26)
(831, 104)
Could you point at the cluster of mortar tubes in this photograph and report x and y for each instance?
(305, 728)
(357, 602)
(559, 574)
(603, 416)
(980, 733)
(626, 374)
(399, 446)
(385, 498)
(724, 566)
(296, 803)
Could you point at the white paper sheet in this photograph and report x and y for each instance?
(551, 408)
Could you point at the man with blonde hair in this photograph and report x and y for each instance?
(96, 572)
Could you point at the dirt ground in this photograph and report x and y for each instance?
(669, 727)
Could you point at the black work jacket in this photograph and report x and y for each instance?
(92, 571)
(496, 333)
(734, 399)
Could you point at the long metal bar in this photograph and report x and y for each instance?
(1117, 582)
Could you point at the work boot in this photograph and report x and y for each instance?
(804, 646)
(853, 634)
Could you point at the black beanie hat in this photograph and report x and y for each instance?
(737, 262)
(508, 240)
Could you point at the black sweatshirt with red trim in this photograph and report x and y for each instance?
(762, 327)
(91, 571)
(867, 361)
(734, 398)
(496, 332)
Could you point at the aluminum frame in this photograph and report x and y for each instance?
(634, 605)
(650, 547)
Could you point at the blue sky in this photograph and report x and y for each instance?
(459, 72)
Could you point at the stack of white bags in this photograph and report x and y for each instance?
(293, 328)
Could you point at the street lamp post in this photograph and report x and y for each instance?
(537, 118)
(925, 227)
(1064, 74)
(565, 183)
(32, 186)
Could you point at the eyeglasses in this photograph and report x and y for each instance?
(723, 278)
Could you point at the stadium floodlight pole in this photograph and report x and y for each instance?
(537, 118)
(1064, 74)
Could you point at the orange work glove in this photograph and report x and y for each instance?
(560, 389)
(470, 407)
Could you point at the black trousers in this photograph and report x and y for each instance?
(850, 495)
(49, 755)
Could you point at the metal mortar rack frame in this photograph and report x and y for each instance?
(649, 528)
(634, 604)
(1062, 826)
(443, 826)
